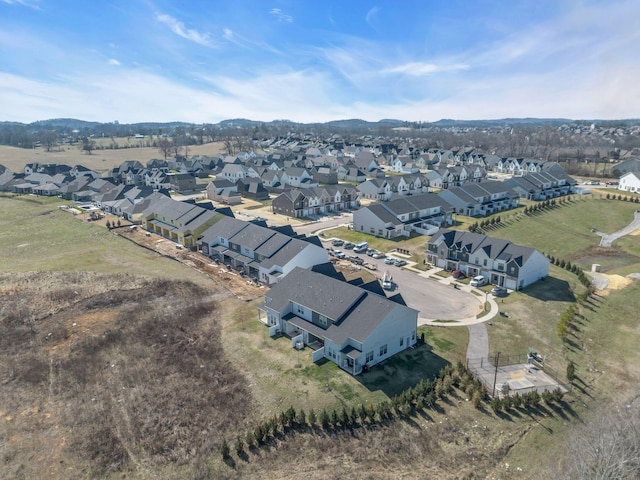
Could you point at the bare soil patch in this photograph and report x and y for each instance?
(112, 373)
(240, 286)
(616, 282)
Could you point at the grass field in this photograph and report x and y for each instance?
(100, 160)
(36, 235)
(565, 232)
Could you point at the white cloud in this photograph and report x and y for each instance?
(24, 3)
(371, 15)
(113, 61)
(420, 69)
(134, 95)
(281, 17)
(179, 29)
(242, 41)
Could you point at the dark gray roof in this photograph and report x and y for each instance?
(252, 236)
(356, 312)
(226, 227)
(383, 214)
(271, 246)
(325, 295)
(400, 206)
(496, 248)
(286, 253)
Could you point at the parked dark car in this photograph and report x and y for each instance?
(357, 260)
(348, 246)
(458, 274)
(337, 242)
(498, 291)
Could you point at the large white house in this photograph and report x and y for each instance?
(630, 182)
(344, 323)
(499, 261)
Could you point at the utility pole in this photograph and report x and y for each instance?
(495, 377)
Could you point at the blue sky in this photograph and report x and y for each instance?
(307, 61)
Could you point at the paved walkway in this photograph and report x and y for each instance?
(478, 346)
(608, 238)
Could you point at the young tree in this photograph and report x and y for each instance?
(225, 450)
(571, 371)
(312, 417)
(239, 445)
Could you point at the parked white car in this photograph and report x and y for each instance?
(478, 281)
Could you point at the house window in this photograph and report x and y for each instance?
(383, 350)
(484, 262)
(512, 270)
(300, 309)
(369, 356)
(372, 230)
(401, 341)
(477, 261)
(322, 320)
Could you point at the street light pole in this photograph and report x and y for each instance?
(495, 377)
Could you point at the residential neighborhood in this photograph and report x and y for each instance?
(393, 192)
(346, 263)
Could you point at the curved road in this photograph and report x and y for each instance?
(608, 238)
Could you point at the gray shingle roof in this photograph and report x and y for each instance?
(355, 311)
(496, 248)
(252, 236)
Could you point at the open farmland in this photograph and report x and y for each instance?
(99, 160)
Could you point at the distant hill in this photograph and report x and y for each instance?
(71, 130)
(446, 122)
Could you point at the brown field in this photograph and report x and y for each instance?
(100, 160)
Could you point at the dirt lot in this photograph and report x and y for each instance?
(239, 286)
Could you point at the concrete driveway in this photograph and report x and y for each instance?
(325, 222)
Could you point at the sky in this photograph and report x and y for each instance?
(204, 61)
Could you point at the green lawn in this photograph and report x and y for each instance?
(36, 235)
(565, 232)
